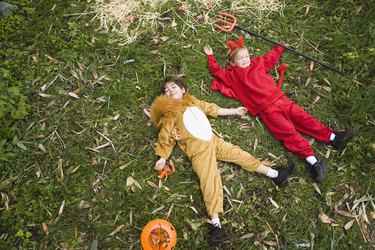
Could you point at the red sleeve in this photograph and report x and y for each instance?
(272, 57)
(219, 82)
(215, 69)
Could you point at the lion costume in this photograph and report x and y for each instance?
(185, 122)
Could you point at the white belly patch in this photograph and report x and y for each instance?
(197, 124)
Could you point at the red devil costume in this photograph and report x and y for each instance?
(257, 91)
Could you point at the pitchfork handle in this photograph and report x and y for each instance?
(290, 49)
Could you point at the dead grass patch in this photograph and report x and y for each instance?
(131, 18)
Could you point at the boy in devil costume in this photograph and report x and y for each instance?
(181, 118)
(246, 79)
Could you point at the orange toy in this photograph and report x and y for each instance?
(167, 170)
(158, 234)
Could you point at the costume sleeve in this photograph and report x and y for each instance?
(216, 70)
(271, 58)
(210, 109)
(220, 82)
(165, 142)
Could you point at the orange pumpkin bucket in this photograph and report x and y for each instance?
(158, 234)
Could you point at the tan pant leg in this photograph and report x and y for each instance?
(205, 166)
(228, 152)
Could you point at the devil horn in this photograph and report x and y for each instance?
(240, 42)
(232, 45)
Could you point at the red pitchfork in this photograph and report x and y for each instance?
(231, 25)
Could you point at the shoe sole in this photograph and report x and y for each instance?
(216, 243)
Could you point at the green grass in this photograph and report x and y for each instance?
(55, 48)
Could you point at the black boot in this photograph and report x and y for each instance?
(318, 171)
(342, 138)
(217, 236)
(282, 179)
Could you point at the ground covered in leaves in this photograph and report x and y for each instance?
(77, 147)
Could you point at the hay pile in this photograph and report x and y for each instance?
(130, 18)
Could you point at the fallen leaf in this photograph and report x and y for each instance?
(115, 118)
(126, 165)
(117, 229)
(272, 155)
(41, 147)
(38, 173)
(270, 243)
(5, 200)
(349, 224)
(317, 98)
(274, 202)
(158, 209)
(246, 236)
(173, 24)
(328, 153)
(311, 67)
(358, 9)
(170, 211)
(74, 95)
(324, 218)
(154, 52)
(164, 38)
(75, 169)
(185, 234)
(194, 209)
(260, 237)
(45, 228)
(364, 229)
(136, 183)
(147, 112)
(21, 145)
(317, 189)
(151, 184)
(129, 181)
(343, 213)
(61, 171)
(268, 163)
(227, 191)
(62, 207)
(363, 214)
(46, 95)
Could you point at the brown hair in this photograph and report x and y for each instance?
(176, 79)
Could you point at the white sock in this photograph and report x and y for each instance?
(272, 173)
(311, 159)
(216, 222)
(332, 137)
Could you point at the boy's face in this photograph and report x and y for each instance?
(241, 59)
(174, 91)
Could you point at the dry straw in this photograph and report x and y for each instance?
(130, 18)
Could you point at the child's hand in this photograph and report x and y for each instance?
(160, 164)
(208, 50)
(241, 111)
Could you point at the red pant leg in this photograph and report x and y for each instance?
(307, 124)
(276, 118)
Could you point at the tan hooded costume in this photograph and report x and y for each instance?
(185, 122)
